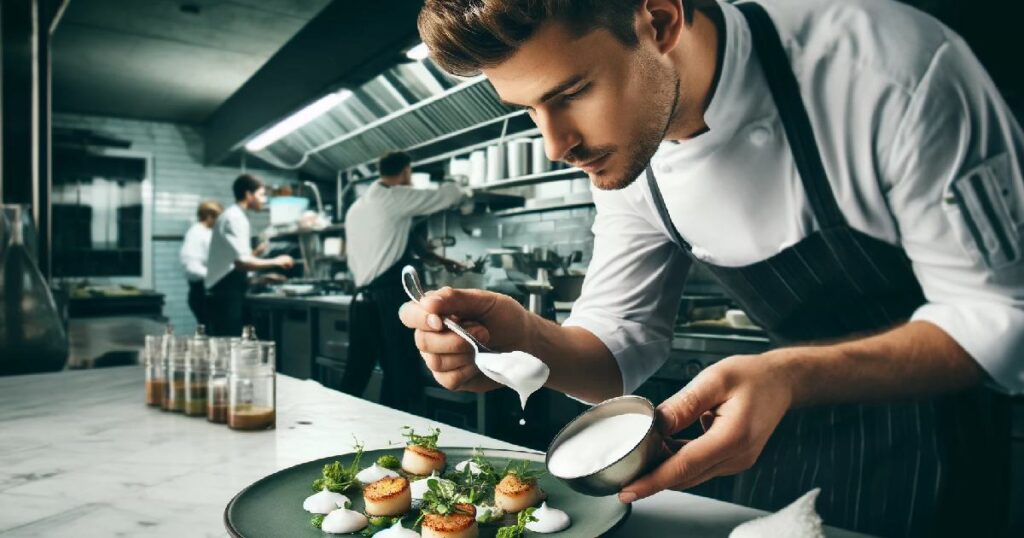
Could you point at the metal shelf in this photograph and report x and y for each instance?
(527, 210)
(295, 233)
(533, 179)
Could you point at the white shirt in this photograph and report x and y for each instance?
(905, 117)
(230, 241)
(378, 224)
(195, 250)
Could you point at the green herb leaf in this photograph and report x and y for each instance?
(389, 462)
(523, 470)
(317, 520)
(337, 477)
(425, 441)
(517, 530)
(378, 524)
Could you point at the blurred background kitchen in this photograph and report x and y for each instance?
(120, 118)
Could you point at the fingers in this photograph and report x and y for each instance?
(464, 303)
(465, 378)
(694, 461)
(414, 316)
(701, 395)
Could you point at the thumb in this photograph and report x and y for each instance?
(701, 395)
(463, 303)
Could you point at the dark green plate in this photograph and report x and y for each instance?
(272, 506)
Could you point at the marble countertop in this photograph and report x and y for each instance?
(80, 454)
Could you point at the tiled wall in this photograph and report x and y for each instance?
(180, 182)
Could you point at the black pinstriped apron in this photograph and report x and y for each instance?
(920, 468)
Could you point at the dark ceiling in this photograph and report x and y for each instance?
(166, 60)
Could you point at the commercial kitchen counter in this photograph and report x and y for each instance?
(81, 455)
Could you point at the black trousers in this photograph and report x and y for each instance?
(378, 334)
(197, 301)
(225, 304)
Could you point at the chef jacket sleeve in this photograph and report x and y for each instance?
(634, 282)
(416, 202)
(956, 190)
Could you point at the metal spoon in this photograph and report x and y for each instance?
(413, 288)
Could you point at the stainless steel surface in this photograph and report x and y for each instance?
(414, 289)
(610, 480)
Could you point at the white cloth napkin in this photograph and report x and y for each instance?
(798, 520)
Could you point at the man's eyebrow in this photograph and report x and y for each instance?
(550, 94)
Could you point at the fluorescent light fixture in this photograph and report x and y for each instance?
(418, 53)
(297, 120)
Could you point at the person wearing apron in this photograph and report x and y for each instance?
(232, 257)
(378, 245)
(871, 395)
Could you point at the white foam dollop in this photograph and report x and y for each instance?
(517, 370)
(798, 519)
(374, 473)
(324, 502)
(343, 521)
(419, 487)
(473, 467)
(548, 520)
(599, 445)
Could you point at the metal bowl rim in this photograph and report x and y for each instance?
(645, 401)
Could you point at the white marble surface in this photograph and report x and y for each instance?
(81, 455)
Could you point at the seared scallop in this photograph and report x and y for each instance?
(388, 497)
(514, 495)
(460, 524)
(420, 460)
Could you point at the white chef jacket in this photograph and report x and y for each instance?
(377, 225)
(195, 250)
(920, 149)
(229, 241)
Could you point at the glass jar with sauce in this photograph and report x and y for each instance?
(217, 382)
(197, 373)
(251, 384)
(177, 356)
(156, 376)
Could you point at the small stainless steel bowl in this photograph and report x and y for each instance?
(610, 480)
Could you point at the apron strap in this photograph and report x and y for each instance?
(659, 204)
(786, 92)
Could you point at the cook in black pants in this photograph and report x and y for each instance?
(232, 257)
(377, 331)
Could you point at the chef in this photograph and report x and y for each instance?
(195, 250)
(232, 257)
(851, 176)
(378, 246)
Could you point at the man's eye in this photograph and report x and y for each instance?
(576, 94)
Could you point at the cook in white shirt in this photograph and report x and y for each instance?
(850, 174)
(377, 233)
(195, 250)
(232, 257)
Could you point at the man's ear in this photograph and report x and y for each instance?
(664, 20)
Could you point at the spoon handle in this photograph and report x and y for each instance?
(413, 288)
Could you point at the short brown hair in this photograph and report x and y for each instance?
(209, 209)
(465, 36)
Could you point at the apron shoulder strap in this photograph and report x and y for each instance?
(786, 93)
(659, 204)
